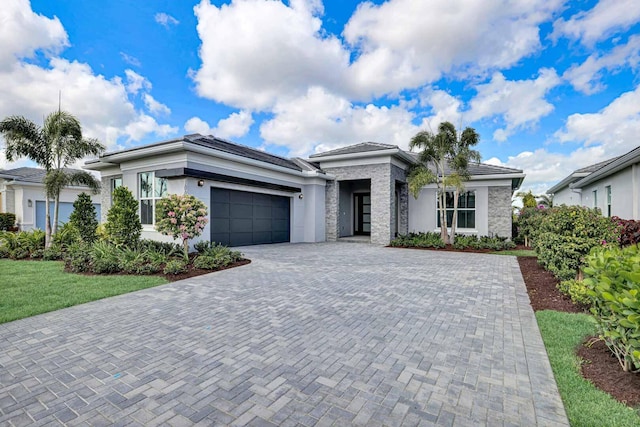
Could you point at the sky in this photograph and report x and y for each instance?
(550, 86)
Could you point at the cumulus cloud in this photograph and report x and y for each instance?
(587, 77)
(608, 17)
(131, 60)
(404, 43)
(155, 107)
(136, 82)
(520, 103)
(165, 19)
(234, 126)
(256, 52)
(335, 122)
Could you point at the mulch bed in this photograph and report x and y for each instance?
(193, 272)
(599, 365)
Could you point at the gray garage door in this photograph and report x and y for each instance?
(241, 218)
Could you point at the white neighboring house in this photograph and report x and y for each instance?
(22, 193)
(613, 186)
(254, 197)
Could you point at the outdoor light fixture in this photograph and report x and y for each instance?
(30, 203)
(301, 196)
(201, 183)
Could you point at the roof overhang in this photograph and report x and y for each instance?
(622, 162)
(200, 174)
(391, 152)
(575, 176)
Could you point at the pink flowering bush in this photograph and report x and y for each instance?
(181, 217)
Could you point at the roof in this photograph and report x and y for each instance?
(579, 174)
(614, 165)
(363, 147)
(26, 174)
(479, 169)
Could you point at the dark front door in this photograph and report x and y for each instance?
(362, 217)
(241, 218)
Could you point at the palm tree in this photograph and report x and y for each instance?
(450, 154)
(545, 200)
(54, 147)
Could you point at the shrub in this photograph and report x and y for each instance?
(78, 257)
(418, 240)
(7, 221)
(123, 225)
(175, 266)
(577, 290)
(105, 258)
(613, 278)
(566, 234)
(206, 262)
(629, 231)
(528, 221)
(19, 253)
(52, 253)
(181, 216)
(166, 248)
(132, 260)
(31, 241)
(217, 250)
(66, 236)
(84, 219)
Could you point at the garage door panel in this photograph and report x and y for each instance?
(241, 218)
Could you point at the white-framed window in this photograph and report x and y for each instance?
(607, 190)
(595, 198)
(466, 209)
(150, 189)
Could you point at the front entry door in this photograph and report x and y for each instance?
(362, 217)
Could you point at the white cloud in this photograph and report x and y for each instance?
(280, 52)
(131, 60)
(334, 122)
(447, 108)
(406, 43)
(22, 32)
(136, 82)
(165, 19)
(616, 126)
(521, 103)
(587, 77)
(607, 18)
(234, 126)
(155, 107)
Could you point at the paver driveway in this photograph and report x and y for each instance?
(305, 335)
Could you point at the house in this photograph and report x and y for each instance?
(255, 197)
(22, 193)
(612, 186)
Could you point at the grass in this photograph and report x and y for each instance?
(585, 405)
(516, 252)
(28, 288)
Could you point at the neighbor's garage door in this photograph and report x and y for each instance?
(242, 218)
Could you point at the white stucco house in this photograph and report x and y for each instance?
(254, 197)
(22, 193)
(613, 186)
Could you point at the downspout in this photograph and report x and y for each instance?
(578, 191)
(634, 186)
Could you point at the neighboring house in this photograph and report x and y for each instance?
(22, 193)
(612, 186)
(255, 197)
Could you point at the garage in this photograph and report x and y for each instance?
(64, 212)
(240, 218)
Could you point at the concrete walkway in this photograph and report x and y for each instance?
(323, 334)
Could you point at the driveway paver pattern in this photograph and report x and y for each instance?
(307, 334)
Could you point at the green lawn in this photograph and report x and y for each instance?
(585, 405)
(516, 252)
(28, 288)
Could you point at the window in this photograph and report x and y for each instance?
(115, 183)
(150, 189)
(595, 198)
(466, 209)
(608, 194)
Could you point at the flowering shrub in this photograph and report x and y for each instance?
(181, 217)
(629, 231)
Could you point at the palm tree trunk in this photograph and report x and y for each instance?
(47, 224)
(443, 218)
(55, 214)
(454, 220)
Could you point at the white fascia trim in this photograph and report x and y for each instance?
(496, 176)
(365, 154)
(629, 159)
(40, 185)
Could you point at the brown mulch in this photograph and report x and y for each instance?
(193, 272)
(599, 366)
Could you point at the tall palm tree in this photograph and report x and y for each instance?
(54, 147)
(545, 200)
(451, 155)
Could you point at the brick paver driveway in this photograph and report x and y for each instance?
(324, 334)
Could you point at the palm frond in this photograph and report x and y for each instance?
(23, 138)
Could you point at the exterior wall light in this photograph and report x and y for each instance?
(301, 196)
(201, 183)
(30, 203)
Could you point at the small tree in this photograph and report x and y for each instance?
(528, 199)
(123, 225)
(84, 218)
(181, 217)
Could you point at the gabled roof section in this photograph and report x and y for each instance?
(26, 174)
(242, 150)
(614, 165)
(579, 174)
(362, 147)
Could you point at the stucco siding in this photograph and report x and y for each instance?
(566, 197)
(623, 199)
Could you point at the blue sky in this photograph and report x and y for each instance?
(550, 86)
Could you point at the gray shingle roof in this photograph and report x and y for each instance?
(26, 174)
(242, 150)
(478, 169)
(593, 168)
(363, 147)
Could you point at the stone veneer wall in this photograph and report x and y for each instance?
(399, 178)
(383, 178)
(500, 211)
(105, 199)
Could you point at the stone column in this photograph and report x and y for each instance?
(331, 210)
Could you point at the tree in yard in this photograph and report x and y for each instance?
(181, 216)
(84, 219)
(54, 146)
(545, 200)
(450, 154)
(528, 199)
(123, 225)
